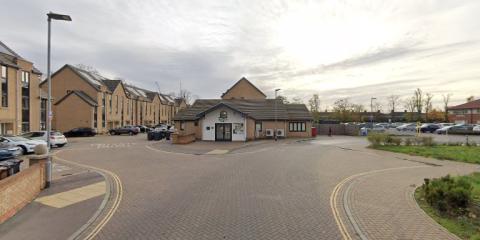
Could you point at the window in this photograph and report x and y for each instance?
(95, 117)
(117, 105)
(223, 114)
(297, 127)
(110, 98)
(104, 110)
(196, 123)
(182, 125)
(43, 114)
(4, 81)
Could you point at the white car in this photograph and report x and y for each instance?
(56, 138)
(27, 145)
(407, 127)
(476, 129)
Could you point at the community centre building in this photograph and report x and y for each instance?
(84, 98)
(243, 113)
(467, 113)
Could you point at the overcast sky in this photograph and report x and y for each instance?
(355, 49)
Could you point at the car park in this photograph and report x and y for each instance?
(26, 145)
(429, 127)
(130, 130)
(143, 129)
(461, 129)
(81, 132)
(56, 138)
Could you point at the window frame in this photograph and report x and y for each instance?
(297, 126)
(4, 85)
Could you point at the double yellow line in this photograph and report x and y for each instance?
(116, 201)
(333, 198)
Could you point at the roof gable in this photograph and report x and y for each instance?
(241, 88)
(82, 95)
(468, 105)
(94, 80)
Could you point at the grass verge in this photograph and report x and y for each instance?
(465, 226)
(454, 153)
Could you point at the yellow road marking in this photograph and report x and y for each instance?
(116, 201)
(217, 152)
(67, 198)
(333, 197)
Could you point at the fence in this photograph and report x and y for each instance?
(337, 129)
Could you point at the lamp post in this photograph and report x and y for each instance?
(275, 128)
(61, 17)
(371, 110)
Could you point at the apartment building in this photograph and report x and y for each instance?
(23, 105)
(468, 113)
(88, 99)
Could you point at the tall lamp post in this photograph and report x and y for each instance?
(50, 16)
(371, 110)
(275, 128)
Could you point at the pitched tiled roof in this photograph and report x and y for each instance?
(469, 105)
(111, 84)
(8, 56)
(82, 96)
(257, 109)
(246, 80)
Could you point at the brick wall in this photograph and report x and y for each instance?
(20, 189)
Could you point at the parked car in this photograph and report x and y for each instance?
(56, 138)
(143, 129)
(9, 151)
(130, 130)
(384, 125)
(445, 124)
(429, 127)
(461, 129)
(81, 132)
(443, 130)
(476, 129)
(27, 145)
(407, 127)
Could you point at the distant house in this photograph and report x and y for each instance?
(465, 113)
(243, 113)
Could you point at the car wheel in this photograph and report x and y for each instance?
(60, 145)
(24, 149)
(130, 133)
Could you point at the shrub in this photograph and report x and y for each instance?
(397, 141)
(408, 142)
(427, 141)
(448, 195)
(377, 139)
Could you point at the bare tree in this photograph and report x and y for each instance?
(428, 104)
(377, 107)
(186, 95)
(342, 109)
(471, 98)
(393, 101)
(418, 99)
(446, 101)
(410, 107)
(357, 108)
(283, 99)
(314, 103)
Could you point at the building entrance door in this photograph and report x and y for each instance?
(223, 132)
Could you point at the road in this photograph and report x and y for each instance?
(329, 188)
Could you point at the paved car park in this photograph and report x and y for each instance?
(327, 188)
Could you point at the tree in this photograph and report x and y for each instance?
(393, 101)
(377, 107)
(471, 98)
(186, 95)
(446, 101)
(283, 99)
(428, 104)
(418, 100)
(410, 106)
(342, 109)
(314, 103)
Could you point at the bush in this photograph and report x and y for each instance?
(397, 141)
(408, 142)
(448, 195)
(377, 139)
(427, 141)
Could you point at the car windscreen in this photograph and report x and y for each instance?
(17, 139)
(56, 134)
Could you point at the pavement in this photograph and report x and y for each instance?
(327, 188)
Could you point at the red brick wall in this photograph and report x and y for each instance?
(467, 118)
(20, 189)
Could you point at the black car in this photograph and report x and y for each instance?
(429, 127)
(130, 130)
(8, 151)
(81, 132)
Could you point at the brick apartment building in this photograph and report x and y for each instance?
(86, 99)
(465, 113)
(22, 104)
(243, 113)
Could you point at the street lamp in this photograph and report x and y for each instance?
(275, 128)
(371, 109)
(60, 17)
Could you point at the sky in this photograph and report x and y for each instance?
(337, 49)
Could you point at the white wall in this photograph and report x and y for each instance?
(232, 117)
